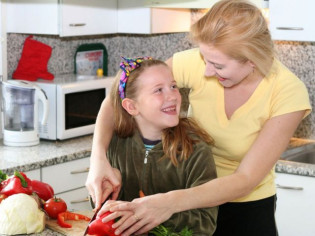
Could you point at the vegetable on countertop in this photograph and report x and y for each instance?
(54, 206)
(63, 216)
(18, 183)
(43, 190)
(3, 176)
(19, 214)
(164, 231)
(98, 228)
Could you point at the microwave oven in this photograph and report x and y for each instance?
(74, 102)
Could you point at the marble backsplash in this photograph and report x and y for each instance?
(297, 56)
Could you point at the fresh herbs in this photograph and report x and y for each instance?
(164, 231)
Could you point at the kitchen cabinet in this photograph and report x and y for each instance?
(80, 17)
(180, 3)
(76, 199)
(68, 181)
(134, 17)
(62, 17)
(33, 174)
(295, 208)
(190, 3)
(292, 20)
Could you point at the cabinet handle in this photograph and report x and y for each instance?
(289, 187)
(290, 28)
(80, 171)
(77, 24)
(79, 200)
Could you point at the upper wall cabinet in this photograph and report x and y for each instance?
(292, 20)
(190, 3)
(63, 17)
(133, 17)
(180, 3)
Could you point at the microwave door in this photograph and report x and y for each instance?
(77, 111)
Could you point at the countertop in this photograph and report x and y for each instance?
(49, 153)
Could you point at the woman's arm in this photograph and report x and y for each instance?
(261, 157)
(101, 180)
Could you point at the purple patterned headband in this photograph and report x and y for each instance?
(127, 66)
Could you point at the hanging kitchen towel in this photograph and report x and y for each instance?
(33, 61)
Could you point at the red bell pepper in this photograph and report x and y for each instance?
(98, 228)
(63, 216)
(43, 190)
(18, 183)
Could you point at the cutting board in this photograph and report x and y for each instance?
(78, 227)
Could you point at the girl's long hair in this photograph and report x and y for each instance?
(177, 141)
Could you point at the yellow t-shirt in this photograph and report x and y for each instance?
(280, 92)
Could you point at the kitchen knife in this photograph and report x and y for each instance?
(95, 214)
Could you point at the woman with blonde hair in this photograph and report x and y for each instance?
(248, 101)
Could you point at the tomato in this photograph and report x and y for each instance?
(54, 206)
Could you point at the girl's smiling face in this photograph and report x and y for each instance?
(229, 71)
(158, 101)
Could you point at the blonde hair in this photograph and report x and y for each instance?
(177, 141)
(238, 29)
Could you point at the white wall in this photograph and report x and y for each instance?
(3, 54)
(3, 40)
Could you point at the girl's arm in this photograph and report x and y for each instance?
(101, 180)
(259, 160)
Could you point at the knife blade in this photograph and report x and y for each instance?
(95, 214)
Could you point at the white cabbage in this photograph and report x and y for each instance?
(19, 214)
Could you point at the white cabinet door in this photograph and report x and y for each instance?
(295, 208)
(33, 174)
(190, 3)
(64, 17)
(32, 17)
(292, 20)
(81, 17)
(180, 4)
(76, 199)
(66, 176)
(134, 17)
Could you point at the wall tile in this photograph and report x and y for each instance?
(297, 56)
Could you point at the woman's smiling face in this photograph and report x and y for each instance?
(228, 71)
(158, 101)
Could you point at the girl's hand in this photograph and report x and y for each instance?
(140, 215)
(102, 181)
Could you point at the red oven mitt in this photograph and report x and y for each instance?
(33, 61)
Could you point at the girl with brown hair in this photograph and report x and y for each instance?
(154, 150)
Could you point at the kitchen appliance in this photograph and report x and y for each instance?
(74, 102)
(20, 103)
